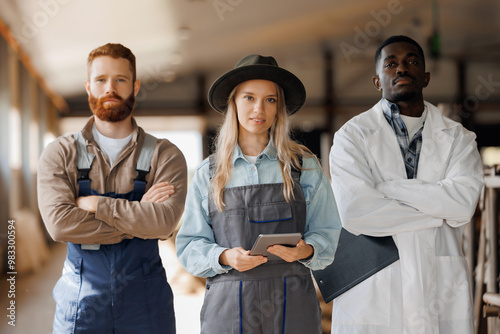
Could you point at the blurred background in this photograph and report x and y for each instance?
(181, 47)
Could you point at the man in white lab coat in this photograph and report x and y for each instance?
(402, 169)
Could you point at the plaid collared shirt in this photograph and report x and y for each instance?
(409, 149)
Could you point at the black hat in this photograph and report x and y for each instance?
(257, 67)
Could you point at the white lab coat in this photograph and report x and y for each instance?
(428, 290)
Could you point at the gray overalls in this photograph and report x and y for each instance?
(276, 297)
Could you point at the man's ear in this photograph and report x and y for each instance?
(427, 78)
(376, 82)
(87, 87)
(137, 86)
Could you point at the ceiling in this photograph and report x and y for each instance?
(175, 38)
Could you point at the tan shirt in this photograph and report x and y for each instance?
(115, 219)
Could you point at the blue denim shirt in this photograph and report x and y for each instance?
(196, 247)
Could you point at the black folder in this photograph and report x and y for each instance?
(356, 259)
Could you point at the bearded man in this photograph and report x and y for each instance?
(111, 192)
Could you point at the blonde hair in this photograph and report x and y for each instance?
(287, 149)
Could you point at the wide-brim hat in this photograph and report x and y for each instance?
(257, 67)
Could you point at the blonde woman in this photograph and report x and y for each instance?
(259, 181)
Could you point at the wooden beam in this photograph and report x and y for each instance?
(56, 99)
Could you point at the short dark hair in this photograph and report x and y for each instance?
(397, 39)
(116, 51)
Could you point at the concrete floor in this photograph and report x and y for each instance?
(35, 306)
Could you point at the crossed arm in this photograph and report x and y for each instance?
(156, 194)
(394, 206)
(104, 220)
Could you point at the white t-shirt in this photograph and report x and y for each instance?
(110, 146)
(413, 124)
(250, 158)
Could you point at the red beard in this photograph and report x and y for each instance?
(112, 112)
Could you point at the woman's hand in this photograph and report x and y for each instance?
(240, 259)
(158, 193)
(291, 254)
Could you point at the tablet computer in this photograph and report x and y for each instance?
(266, 240)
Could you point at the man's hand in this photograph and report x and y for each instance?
(240, 259)
(88, 203)
(158, 193)
(291, 254)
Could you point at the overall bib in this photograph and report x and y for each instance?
(119, 288)
(276, 297)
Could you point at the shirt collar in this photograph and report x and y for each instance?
(269, 152)
(87, 130)
(389, 108)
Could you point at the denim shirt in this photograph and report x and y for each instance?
(196, 247)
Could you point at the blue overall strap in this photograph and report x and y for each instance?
(144, 163)
(84, 164)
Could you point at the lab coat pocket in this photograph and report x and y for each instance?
(66, 294)
(368, 303)
(454, 298)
